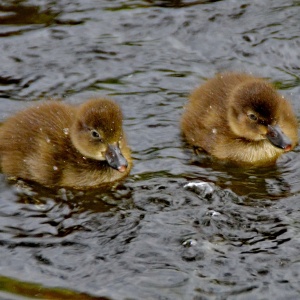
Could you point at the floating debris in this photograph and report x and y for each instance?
(189, 243)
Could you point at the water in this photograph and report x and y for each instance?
(235, 235)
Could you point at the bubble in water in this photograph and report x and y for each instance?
(189, 243)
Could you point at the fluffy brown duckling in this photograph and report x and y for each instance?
(56, 144)
(240, 118)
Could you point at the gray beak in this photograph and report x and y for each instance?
(115, 158)
(278, 138)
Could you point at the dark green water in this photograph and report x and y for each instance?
(235, 236)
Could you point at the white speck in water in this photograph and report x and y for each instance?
(210, 107)
(214, 131)
(48, 140)
(83, 157)
(66, 131)
(55, 168)
(40, 206)
(41, 129)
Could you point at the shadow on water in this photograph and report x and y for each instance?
(96, 200)
(178, 3)
(127, 5)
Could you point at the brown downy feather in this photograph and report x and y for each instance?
(56, 144)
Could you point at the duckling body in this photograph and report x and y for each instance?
(56, 144)
(240, 118)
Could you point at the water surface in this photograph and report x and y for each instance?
(236, 235)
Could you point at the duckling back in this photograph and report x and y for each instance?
(217, 119)
(30, 141)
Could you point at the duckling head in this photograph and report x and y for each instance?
(254, 114)
(97, 132)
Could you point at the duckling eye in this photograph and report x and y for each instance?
(95, 134)
(252, 117)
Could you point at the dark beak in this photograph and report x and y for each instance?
(278, 138)
(115, 158)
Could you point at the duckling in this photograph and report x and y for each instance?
(239, 118)
(56, 144)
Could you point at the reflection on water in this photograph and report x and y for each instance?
(181, 226)
(36, 291)
(25, 15)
